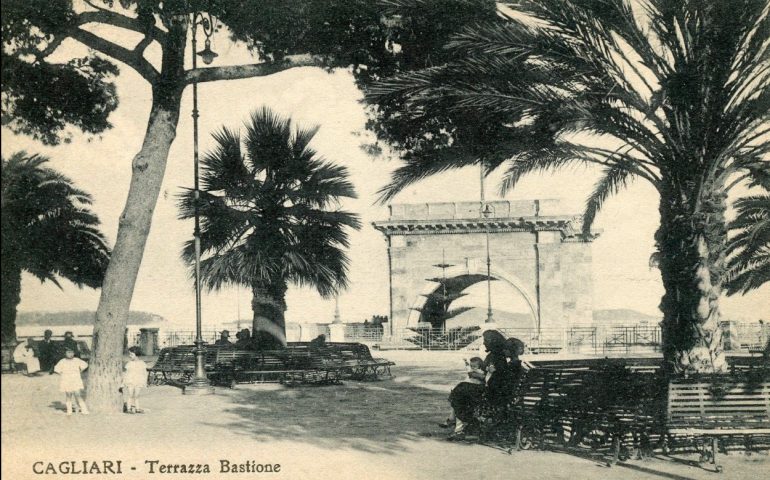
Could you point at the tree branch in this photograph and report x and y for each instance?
(122, 54)
(235, 72)
(143, 44)
(121, 21)
(52, 46)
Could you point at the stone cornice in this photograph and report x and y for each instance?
(565, 225)
(464, 218)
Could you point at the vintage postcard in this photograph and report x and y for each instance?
(386, 239)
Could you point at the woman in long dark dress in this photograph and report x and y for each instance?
(513, 348)
(499, 380)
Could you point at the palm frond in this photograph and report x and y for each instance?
(47, 224)
(613, 179)
(269, 209)
(748, 250)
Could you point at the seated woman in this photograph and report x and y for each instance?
(513, 348)
(25, 353)
(491, 413)
(466, 397)
(319, 341)
(499, 380)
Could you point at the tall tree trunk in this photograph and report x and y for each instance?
(148, 169)
(269, 304)
(11, 297)
(691, 241)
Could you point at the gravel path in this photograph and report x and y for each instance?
(375, 430)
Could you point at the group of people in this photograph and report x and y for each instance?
(43, 355)
(62, 358)
(490, 380)
(244, 339)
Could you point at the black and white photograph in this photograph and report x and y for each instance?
(385, 239)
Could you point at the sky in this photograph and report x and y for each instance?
(622, 278)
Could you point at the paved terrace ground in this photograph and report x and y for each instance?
(375, 430)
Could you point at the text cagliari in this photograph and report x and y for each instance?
(117, 467)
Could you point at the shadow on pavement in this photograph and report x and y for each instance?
(373, 417)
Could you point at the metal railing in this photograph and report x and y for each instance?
(364, 334)
(751, 336)
(592, 340)
(174, 338)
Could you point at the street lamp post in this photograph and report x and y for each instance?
(199, 384)
(487, 211)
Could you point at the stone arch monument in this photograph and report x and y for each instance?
(537, 251)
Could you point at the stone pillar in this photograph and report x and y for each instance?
(148, 341)
(337, 332)
(730, 340)
(550, 287)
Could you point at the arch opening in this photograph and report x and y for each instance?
(442, 302)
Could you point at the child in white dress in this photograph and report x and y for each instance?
(71, 383)
(134, 379)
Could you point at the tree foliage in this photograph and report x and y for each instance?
(42, 97)
(269, 209)
(270, 215)
(680, 88)
(674, 92)
(749, 248)
(48, 230)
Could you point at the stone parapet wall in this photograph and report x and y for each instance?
(471, 210)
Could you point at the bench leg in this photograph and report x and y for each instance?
(714, 449)
(615, 450)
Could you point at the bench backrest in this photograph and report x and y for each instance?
(295, 356)
(694, 401)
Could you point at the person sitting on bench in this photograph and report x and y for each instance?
(513, 349)
(25, 353)
(465, 397)
(244, 338)
(496, 364)
(70, 343)
(46, 352)
(224, 339)
(319, 341)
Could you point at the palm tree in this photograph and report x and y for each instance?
(48, 230)
(749, 249)
(674, 92)
(270, 217)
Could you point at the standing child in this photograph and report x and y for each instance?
(71, 384)
(134, 379)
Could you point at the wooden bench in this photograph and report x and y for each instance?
(354, 360)
(298, 363)
(288, 367)
(176, 365)
(359, 361)
(573, 407)
(616, 406)
(8, 365)
(715, 407)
